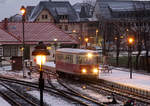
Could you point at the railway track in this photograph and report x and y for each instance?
(74, 94)
(121, 91)
(16, 98)
(127, 92)
(48, 89)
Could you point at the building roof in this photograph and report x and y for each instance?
(88, 7)
(55, 8)
(15, 18)
(8, 38)
(105, 7)
(29, 10)
(35, 32)
(70, 50)
(84, 11)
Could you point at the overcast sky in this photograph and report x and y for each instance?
(12, 7)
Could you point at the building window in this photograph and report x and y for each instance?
(63, 17)
(10, 51)
(44, 16)
(66, 27)
(1, 51)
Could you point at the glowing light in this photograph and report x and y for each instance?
(116, 38)
(23, 10)
(121, 37)
(127, 30)
(89, 55)
(74, 31)
(55, 39)
(84, 87)
(96, 30)
(21, 49)
(84, 71)
(95, 70)
(48, 48)
(86, 39)
(130, 40)
(40, 59)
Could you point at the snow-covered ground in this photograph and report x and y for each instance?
(123, 77)
(51, 100)
(3, 102)
(118, 75)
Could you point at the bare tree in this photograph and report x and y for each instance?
(139, 15)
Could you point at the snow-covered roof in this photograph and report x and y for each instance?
(55, 8)
(71, 50)
(62, 10)
(88, 7)
(34, 32)
(121, 6)
(106, 7)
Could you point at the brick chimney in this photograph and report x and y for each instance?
(5, 24)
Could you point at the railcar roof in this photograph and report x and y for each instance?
(71, 50)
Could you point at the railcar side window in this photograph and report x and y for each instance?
(79, 60)
(69, 59)
(60, 57)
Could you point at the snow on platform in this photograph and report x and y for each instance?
(50, 64)
(139, 81)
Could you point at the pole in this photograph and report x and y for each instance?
(41, 85)
(86, 45)
(23, 20)
(130, 48)
(96, 37)
(55, 47)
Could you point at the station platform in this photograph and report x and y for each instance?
(122, 76)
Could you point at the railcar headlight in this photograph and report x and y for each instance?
(83, 71)
(95, 70)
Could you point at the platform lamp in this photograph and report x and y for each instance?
(130, 45)
(86, 41)
(23, 13)
(41, 52)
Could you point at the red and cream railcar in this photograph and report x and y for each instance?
(77, 62)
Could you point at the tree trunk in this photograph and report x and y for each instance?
(117, 51)
(147, 62)
(137, 57)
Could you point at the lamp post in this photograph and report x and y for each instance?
(23, 12)
(55, 44)
(40, 52)
(130, 42)
(86, 41)
(96, 37)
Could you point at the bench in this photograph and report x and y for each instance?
(106, 69)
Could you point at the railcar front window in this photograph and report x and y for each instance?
(85, 60)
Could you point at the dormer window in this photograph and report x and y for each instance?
(63, 17)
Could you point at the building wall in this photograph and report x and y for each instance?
(79, 30)
(45, 16)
